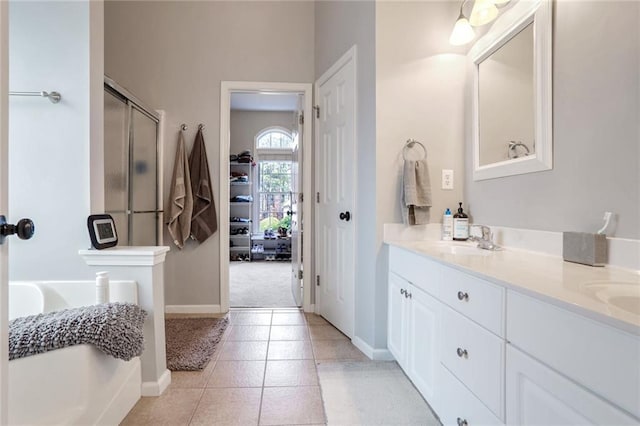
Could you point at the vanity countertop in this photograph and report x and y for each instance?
(606, 294)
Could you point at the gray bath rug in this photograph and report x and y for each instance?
(191, 342)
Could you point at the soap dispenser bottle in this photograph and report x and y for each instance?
(460, 225)
(447, 226)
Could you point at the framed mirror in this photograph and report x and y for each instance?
(512, 93)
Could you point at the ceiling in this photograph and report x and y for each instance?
(264, 101)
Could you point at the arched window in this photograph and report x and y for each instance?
(274, 138)
(274, 147)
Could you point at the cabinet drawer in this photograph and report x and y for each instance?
(597, 356)
(457, 402)
(477, 299)
(418, 270)
(537, 395)
(474, 356)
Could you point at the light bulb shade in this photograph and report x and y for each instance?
(483, 12)
(462, 32)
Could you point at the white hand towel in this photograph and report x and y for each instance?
(416, 189)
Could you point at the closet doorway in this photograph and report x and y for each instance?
(263, 178)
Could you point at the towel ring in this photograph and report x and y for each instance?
(183, 127)
(410, 144)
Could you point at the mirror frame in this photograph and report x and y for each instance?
(514, 20)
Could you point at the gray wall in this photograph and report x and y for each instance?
(419, 95)
(596, 136)
(173, 56)
(245, 125)
(340, 25)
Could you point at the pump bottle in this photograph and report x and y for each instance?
(460, 225)
(447, 226)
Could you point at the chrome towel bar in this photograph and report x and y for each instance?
(54, 97)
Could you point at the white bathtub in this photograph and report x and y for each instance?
(78, 385)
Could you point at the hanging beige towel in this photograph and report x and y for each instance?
(416, 189)
(204, 221)
(180, 198)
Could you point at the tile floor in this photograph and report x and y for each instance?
(265, 373)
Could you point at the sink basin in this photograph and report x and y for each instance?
(621, 294)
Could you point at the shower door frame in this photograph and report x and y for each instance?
(132, 102)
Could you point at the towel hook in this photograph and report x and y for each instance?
(183, 127)
(200, 126)
(410, 144)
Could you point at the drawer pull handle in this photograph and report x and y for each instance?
(402, 291)
(462, 353)
(462, 422)
(463, 296)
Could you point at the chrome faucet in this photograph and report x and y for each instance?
(486, 241)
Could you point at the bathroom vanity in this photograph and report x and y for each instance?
(514, 337)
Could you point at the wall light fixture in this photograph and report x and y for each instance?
(483, 12)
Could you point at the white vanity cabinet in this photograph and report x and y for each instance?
(413, 333)
(428, 338)
(565, 368)
(483, 353)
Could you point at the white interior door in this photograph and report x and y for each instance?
(4, 209)
(335, 183)
(296, 211)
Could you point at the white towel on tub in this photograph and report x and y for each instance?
(416, 192)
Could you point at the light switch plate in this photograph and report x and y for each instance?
(447, 179)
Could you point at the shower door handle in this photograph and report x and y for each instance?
(24, 229)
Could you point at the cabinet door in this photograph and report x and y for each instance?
(422, 337)
(537, 395)
(397, 319)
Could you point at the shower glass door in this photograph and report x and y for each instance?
(116, 168)
(131, 167)
(144, 172)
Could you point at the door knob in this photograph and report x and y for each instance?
(289, 213)
(24, 229)
(346, 216)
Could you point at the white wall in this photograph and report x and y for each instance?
(173, 56)
(419, 95)
(596, 137)
(49, 143)
(245, 125)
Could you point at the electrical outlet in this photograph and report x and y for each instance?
(447, 179)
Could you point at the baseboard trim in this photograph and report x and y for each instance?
(156, 388)
(374, 354)
(192, 309)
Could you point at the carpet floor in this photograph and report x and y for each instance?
(260, 285)
(371, 393)
(191, 342)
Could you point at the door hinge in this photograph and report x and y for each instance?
(301, 118)
(300, 274)
(316, 108)
(318, 280)
(301, 197)
(317, 197)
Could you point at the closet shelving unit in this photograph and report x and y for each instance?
(240, 244)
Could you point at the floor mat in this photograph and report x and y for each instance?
(371, 393)
(191, 342)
